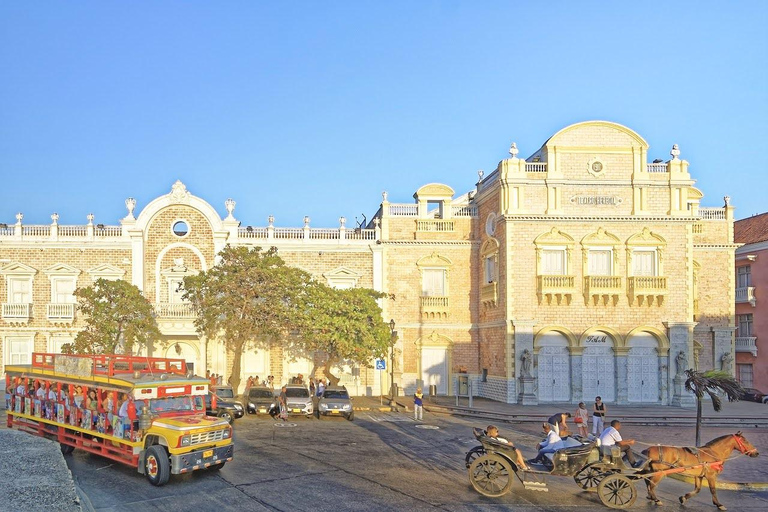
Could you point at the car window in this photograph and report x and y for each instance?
(260, 393)
(297, 392)
(335, 394)
(224, 393)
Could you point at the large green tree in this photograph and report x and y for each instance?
(248, 300)
(342, 326)
(118, 318)
(714, 383)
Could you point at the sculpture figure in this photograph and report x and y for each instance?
(525, 366)
(682, 362)
(726, 361)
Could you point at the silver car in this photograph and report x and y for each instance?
(335, 402)
(298, 400)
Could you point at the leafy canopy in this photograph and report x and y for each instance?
(247, 299)
(344, 324)
(118, 318)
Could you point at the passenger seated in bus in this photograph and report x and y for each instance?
(77, 397)
(127, 414)
(92, 402)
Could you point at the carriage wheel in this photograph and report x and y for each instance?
(477, 451)
(589, 477)
(491, 475)
(617, 491)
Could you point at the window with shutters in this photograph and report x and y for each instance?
(554, 267)
(433, 282)
(434, 286)
(18, 350)
(745, 325)
(553, 262)
(19, 290)
(744, 276)
(599, 262)
(644, 263)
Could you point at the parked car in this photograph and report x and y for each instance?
(226, 406)
(754, 395)
(299, 401)
(259, 399)
(335, 402)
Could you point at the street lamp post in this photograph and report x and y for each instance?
(392, 341)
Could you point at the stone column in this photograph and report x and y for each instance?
(724, 344)
(622, 386)
(680, 340)
(577, 382)
(523, 339)
(664, 378)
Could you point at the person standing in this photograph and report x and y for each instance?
(557, 422)
(598, 416)
(283, 400)
(418, 405)
(320, 387)
(580, 418)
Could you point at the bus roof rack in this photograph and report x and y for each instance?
(109, 365)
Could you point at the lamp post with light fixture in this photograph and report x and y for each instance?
(392, 341)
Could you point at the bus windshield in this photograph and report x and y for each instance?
(179, 403)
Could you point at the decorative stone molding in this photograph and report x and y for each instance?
(106, 271)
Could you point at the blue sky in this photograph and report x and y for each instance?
(315, 108)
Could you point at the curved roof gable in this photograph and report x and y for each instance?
(592, 133)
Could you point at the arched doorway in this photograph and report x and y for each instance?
(554, 368)
(598, 367)
(188, 352)
(643, 371)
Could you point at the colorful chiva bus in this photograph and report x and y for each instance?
(146, 412)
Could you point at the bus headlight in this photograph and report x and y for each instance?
(185, 440)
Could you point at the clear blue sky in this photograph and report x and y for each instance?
(315, 108)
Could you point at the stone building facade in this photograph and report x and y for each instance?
(582, 270)
(751, 303)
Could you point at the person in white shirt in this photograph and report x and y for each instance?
(52, 395)
(40, 393)
(550, 445)
(611, 437)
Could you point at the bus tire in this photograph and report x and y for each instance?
(157, 465)
(66, 449)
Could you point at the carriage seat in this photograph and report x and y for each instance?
(572, 446)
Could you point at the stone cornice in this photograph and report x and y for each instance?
(595, 218)
(716, 246)
(430, 242)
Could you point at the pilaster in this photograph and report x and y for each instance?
(723, 349)
(521, 341)
(680, 336)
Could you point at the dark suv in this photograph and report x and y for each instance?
(226, 405)
(259, 399)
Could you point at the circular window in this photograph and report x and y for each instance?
(490, 224)
(180, 228)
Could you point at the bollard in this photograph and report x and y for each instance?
(469, 388)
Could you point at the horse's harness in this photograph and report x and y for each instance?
(717, 465)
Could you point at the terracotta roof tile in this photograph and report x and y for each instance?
(751, 230)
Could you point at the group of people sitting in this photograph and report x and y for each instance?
(556, 432)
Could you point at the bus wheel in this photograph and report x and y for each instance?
(66, 449)
(157, 466)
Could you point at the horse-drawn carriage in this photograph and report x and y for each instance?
(493, 464)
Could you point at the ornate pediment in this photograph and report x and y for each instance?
(601, 237)
(490, 246)
(647, 238)
(342, 277)
(62, 269)
(18, 269)
(434, 260)
(434, 191)
(179, 193)
(106, 271)
(554, 237)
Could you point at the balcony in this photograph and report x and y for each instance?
(181, 310)
(602, 288)
(433, 307)
(60, 313)
(746, 344)
(746, 294)
(647, 289)
(435, 225)
(556, 288)
(489, 294)
(17, 313)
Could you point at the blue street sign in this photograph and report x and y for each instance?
(381, 364)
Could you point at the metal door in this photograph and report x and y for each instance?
(597, 367)
(643, 375)
(434, 369)
(554, 375)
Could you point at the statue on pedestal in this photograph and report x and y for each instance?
(525, 363)
(726, 361)
(682, 362)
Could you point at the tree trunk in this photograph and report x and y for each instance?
(237, 357)
(332, 379)
(698, 421)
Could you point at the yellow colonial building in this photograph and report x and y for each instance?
(583, 270)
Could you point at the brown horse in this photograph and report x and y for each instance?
(705, 462)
